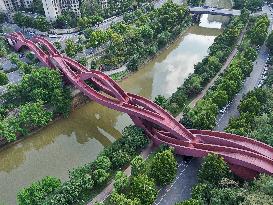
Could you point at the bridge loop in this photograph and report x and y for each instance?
(239, 152)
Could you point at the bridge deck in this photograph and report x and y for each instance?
(214, 11)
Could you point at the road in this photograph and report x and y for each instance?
(251, 82)
(180, 189)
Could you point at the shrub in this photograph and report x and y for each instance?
(3, 78)
(163, 167)
(213, 170)
(38, 191)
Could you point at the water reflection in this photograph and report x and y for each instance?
(77, 140)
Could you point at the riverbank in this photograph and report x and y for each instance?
(77, 140)
(108, 190)
(79, 99)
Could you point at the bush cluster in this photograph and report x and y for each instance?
(25, 103)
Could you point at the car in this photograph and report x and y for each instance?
(21, 55)
(53, 36)
(223, 110)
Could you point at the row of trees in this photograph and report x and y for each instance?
(252, 5)
(204, 71)
(84, 180)
(216, 185)
(256, 117)
(24, 104)
(133, 43)
(24, 20)
(114, 7)
(141, 187)
(203, 115)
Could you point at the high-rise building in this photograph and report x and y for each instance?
(10, 5)
(53, 8)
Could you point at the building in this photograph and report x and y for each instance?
(104, 4)
(13, 5)
(54, 8)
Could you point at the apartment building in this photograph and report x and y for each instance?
(53, 8)
(103, 3)
(11, 5)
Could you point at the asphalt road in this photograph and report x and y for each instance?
(180, 189)
(251, 82)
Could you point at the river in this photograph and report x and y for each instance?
(78, 139)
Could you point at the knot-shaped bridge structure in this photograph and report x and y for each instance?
(246, 157)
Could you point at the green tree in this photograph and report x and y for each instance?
(121, 199)
(38, 191)
(121, 182)
(57, 45)
(164, 167)
(37, 6)
(213, 170)
(190, 202)
(161, 101)
(41, 24)
(3, 78)
(143, 188)
(269, 42)
(2, 17)
(138, 166)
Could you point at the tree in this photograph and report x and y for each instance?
(41, 24)
(58, 45)
(163, 167)
(213, 170)
(33, 115)
(161, 101)
(71, 48)
(220, 98)
(143, 188)
(193, 85)
(190, 202)
(100, 176)
(269, 42)
(138, 166)
(2, 17)
(44, 85)
(3, 78)
(121, 199)
(227, 196)
(38, 191)
(83, 61)
(37, 6)
(121, 182)
(251, 105)
(203, 115)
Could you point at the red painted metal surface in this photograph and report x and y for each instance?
(246, 157)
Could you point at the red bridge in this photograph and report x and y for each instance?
(246, 157)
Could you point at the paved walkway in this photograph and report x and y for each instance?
(119, 70)
(211, 83)
(225, 66)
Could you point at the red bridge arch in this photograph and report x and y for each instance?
(246, 157)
